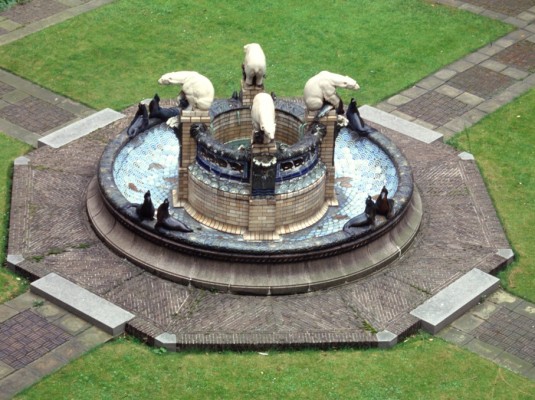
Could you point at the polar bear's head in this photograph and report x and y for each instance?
(350, 83)
(338, 80)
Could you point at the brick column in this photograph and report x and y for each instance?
(248, 92)
(188, 152)
(327, 151)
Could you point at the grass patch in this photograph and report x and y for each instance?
(420, 368)
(114, 55)
(504, 147)
(10, 284)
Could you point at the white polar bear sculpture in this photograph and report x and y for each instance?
(321, 88)
(197, 89)
(263, 116)
(254, 64)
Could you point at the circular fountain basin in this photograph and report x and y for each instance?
(128, 168)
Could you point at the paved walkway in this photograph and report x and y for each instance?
(502, 328)
(461, 94)
(37, 338)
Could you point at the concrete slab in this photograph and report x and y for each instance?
(5, 369)
(386, 339)
(466, 156)
(455, 336)
(390, 121)
(15, 382)
(100, 312)
(21, 161)
(7, 312)
(451, 302)
(166, 340)
(80, 128)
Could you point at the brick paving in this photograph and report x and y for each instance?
(520, 55)
(36, 115)
(33, 11)
(481, 81)
(26, 337)
(434, 108)
(37, 338)
(460, 230)
(5, 88)
(460, 94)
(458, 217)
(511, 8)
(511, 331)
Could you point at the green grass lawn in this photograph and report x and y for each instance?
(113, 56)
(504, 147)
(421, 368)
(10, 284)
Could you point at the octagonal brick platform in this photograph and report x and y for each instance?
(50, 232)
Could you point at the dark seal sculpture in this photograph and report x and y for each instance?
(155, 111)
(364, 219)
(165, 221)
(145, 210)
(384, 204)
(355, 121)
(139, 123)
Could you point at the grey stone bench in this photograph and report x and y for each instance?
(80, 128)
(453, 301)
(81, 302)
(401, 125)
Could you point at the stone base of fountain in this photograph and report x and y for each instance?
(257, 274)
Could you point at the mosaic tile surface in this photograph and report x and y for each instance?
(150, 162)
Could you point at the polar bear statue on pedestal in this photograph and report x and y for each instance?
(197, 91)
(321, 89)
(263, 116)
(254, 65)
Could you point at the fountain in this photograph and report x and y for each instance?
(268, 192)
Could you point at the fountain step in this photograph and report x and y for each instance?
(81, 302)
(398, 124)
(80, 128)
(453, 301)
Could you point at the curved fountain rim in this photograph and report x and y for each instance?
(306, 249)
